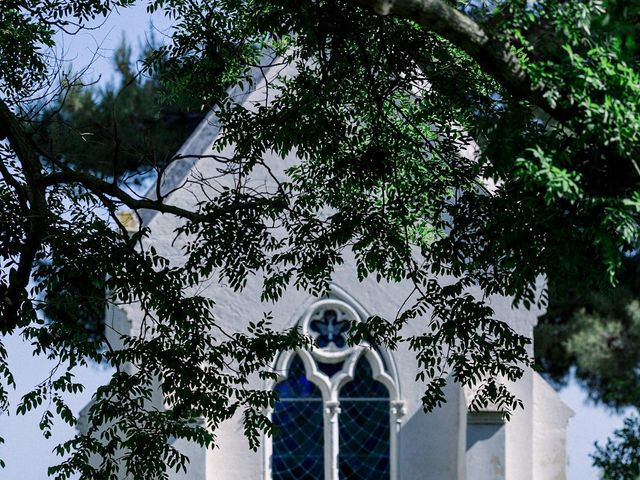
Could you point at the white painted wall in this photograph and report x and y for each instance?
(439, 445)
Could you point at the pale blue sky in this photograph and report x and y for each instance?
(28, 455)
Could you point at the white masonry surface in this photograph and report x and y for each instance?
(449, 443)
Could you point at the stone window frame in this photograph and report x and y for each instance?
(383, 370)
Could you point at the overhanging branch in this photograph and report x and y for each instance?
(98, 186)
(493, 55)
(36, 215)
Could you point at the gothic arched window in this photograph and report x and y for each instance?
(298, 447)
(337, 408)
(363, 452)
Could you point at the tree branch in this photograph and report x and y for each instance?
(16, 292)
(98, 186)
(11, 181)
(33, 195)
(493, 55)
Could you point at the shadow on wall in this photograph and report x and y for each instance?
(430, 444)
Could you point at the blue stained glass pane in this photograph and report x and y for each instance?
(363, 385)
(298, 446)
(297, 385)
(330, 369)
(364, 427)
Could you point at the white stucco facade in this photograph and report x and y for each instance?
(449, 443)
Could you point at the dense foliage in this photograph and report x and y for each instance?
(619, 459)
(448, 144)
(118, 129)
(595, 334)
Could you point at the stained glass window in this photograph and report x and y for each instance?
(330, 369)
(364, 438)
(329, 329)
(298, 446)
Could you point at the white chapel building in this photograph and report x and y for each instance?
(355, 412)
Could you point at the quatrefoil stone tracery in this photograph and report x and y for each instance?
(327, 322)
(329, 330)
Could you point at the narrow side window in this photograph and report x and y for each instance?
(298, 451)
(364, 452)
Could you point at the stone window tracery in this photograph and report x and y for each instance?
(358, 398)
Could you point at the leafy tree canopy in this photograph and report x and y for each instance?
(597, 332)
(120, 129)
(386, 99)
(619, 459)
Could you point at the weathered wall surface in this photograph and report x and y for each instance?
(550, 418)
